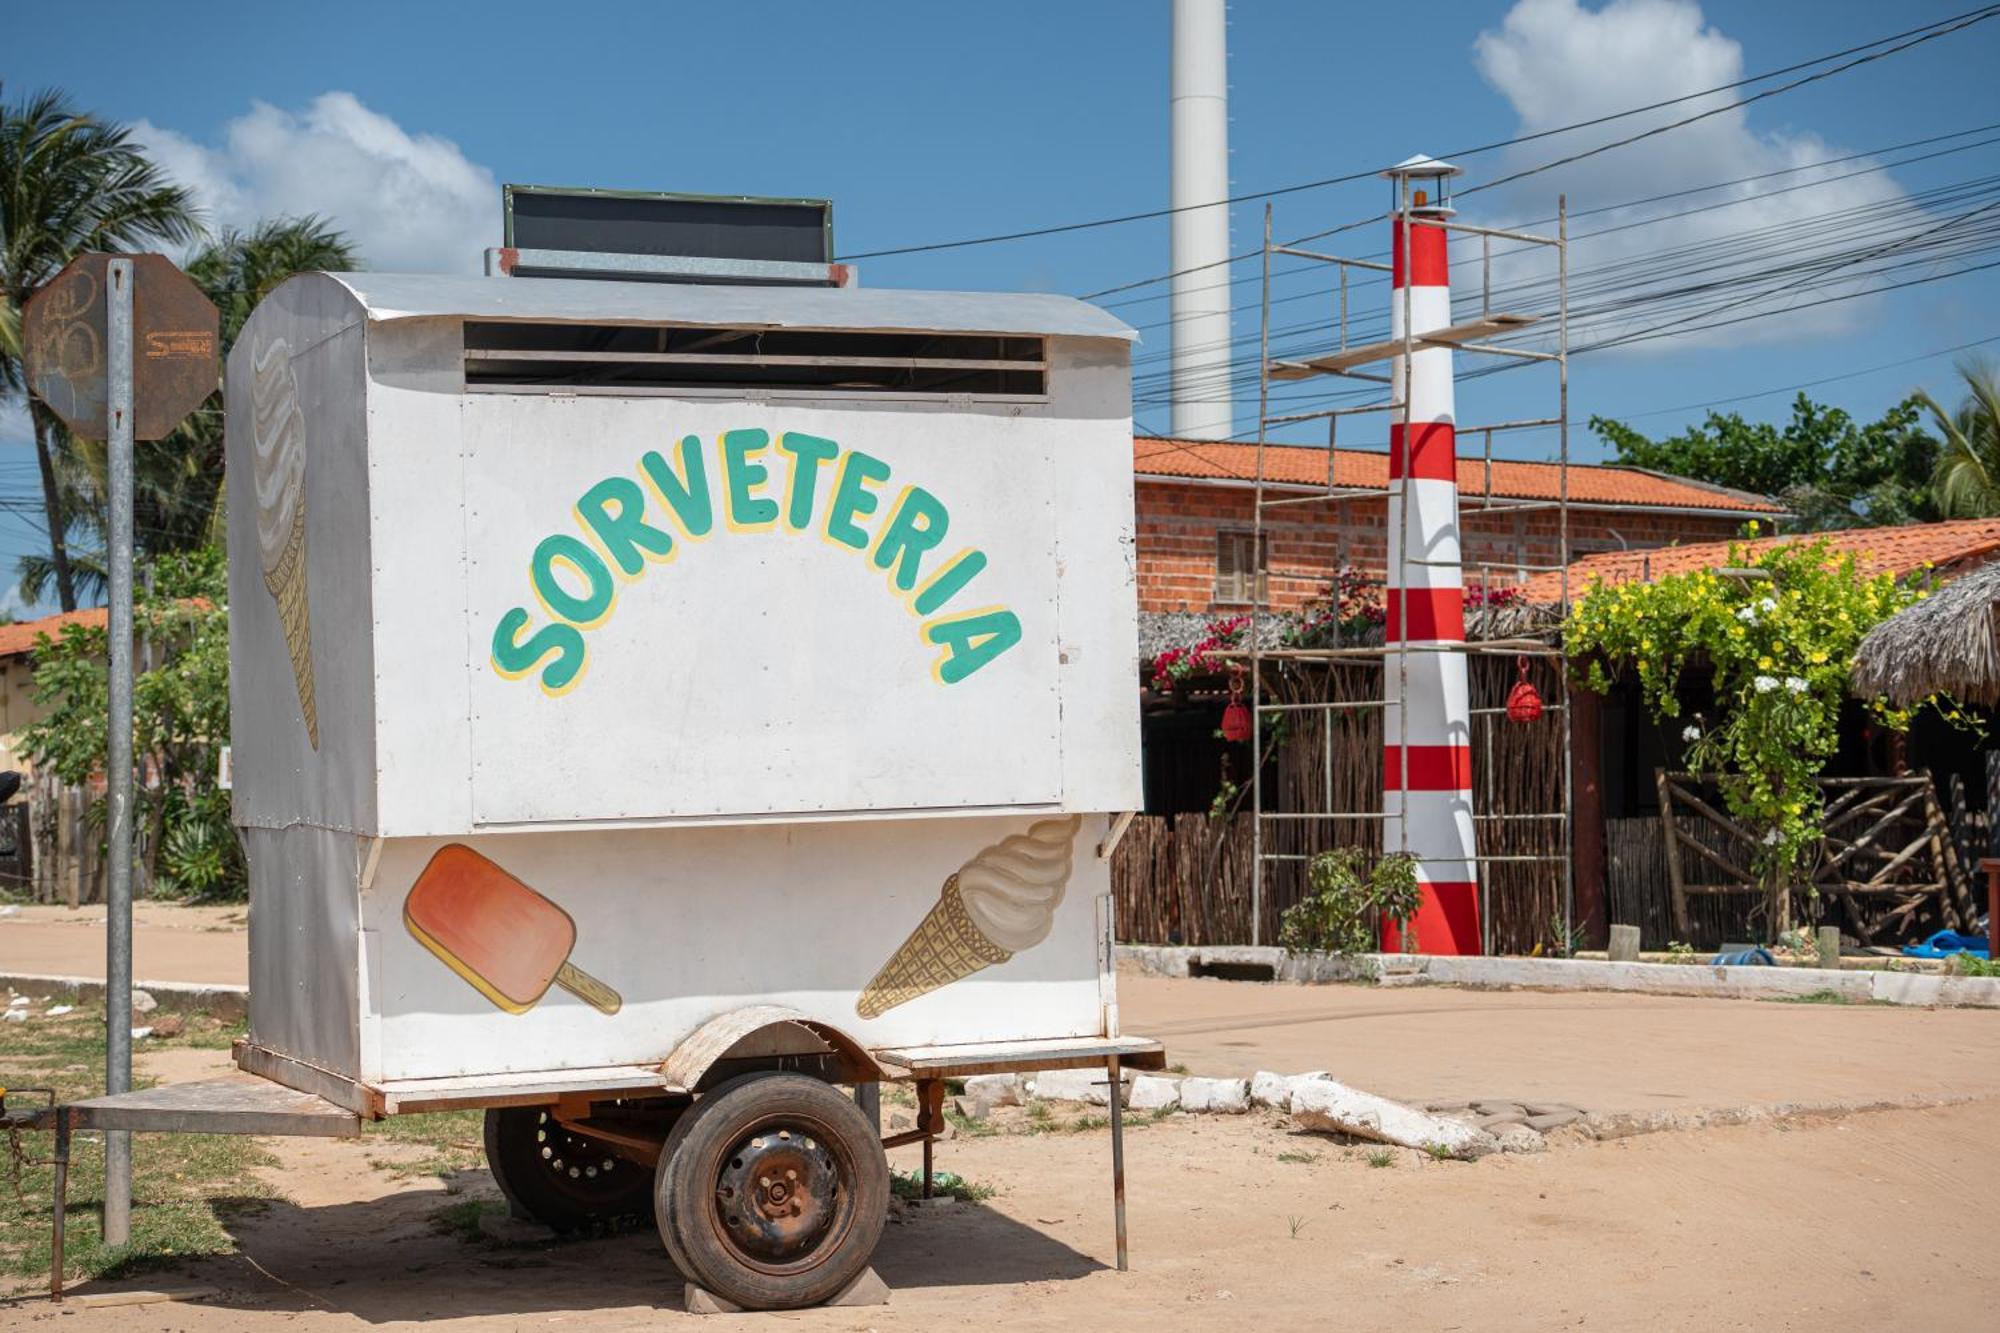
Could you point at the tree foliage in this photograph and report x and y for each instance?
(69, 183)
(1967, 480)
(180, 718)
(1830, 470)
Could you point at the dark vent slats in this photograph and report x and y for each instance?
(524, 357)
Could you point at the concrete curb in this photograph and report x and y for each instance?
(1701, 979)
(229, 1003)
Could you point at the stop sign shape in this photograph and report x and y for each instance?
(175, 337)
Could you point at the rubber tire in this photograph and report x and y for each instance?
(685, 1188)
(513, 1154)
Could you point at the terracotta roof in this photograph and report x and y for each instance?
(1947, 547)
(1589, 483)
(19, 637)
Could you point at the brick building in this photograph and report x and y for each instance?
(1195, 500)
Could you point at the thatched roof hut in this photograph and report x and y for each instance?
(1949, 643)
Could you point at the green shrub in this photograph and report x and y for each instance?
(1339, 915)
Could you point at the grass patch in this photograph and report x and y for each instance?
(1382, 1157)
(450, 1140)
(1817, 997)
(910, 1185)
(185, 1187)
(462, 1221)
(1298, 1158)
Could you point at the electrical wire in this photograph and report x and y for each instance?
(1930, 31)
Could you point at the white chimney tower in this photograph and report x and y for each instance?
(1200, 134)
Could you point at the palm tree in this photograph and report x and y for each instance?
(1967, 479)
(69, 184)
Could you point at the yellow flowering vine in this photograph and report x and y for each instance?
(1778, 640)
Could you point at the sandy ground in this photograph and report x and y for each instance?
(1868, 1221)
(1418, 1043)
(169, 943)
(1602, 1051)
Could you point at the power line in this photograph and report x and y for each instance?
(1630, 203)
(1811, 384)
(1958, 21)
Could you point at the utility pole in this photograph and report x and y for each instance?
(118, 753)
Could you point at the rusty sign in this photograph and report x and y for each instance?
(175, 337)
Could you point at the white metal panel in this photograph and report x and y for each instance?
(688, 923)
(758, 669)
(310, 338)
(416, 479)
(1097, 557)
(304, 954)
(399, 296)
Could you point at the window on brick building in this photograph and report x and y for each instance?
(1236, 565)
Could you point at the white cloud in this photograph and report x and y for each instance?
(411, 202)
(1558, 61)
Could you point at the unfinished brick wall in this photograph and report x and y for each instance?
(1178, 524)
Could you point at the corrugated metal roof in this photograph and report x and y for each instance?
(1292, 465)
(392, 296)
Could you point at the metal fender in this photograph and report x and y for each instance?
(719, 1035)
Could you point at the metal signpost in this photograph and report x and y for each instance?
(121, 348)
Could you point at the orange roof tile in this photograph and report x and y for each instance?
(1589, 483)
(19, 638)
(1949, 547)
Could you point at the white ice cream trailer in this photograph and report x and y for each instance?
(659, 703)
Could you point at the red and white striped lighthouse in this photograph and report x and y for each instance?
(1427, 725)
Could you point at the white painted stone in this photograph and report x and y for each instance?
(143, 1002)
(995, 1089)
(1154, 1094)
(1274, 1091)
(1216, 1096)
(1328, 1106)
(15, 1016)
(1519, 1139)
(1091, 1085)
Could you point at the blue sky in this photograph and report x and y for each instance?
(928, 122)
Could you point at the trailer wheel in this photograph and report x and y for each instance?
(565, 1180)
(772, 1191)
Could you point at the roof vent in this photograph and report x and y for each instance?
(649, 237)
(522, 356)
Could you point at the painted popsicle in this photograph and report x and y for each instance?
(509, 942)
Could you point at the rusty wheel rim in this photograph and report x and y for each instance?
(781, 1202)
(580, 1168)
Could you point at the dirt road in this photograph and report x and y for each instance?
(169, 943)
(1872, 1221)
(1863, 1221)
(1606, 1052)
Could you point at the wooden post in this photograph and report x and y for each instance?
(1829, 946)
(1682, 927)
(1586, 747)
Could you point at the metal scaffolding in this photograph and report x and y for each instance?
(1464, 334)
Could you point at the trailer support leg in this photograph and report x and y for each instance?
(60, 1206)
(930, 1120)
(1117, 1097)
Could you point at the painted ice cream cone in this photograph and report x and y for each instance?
(1000, 902)
(278, 427)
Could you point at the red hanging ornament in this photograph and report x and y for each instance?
(1236, 717)
(1524, 701)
